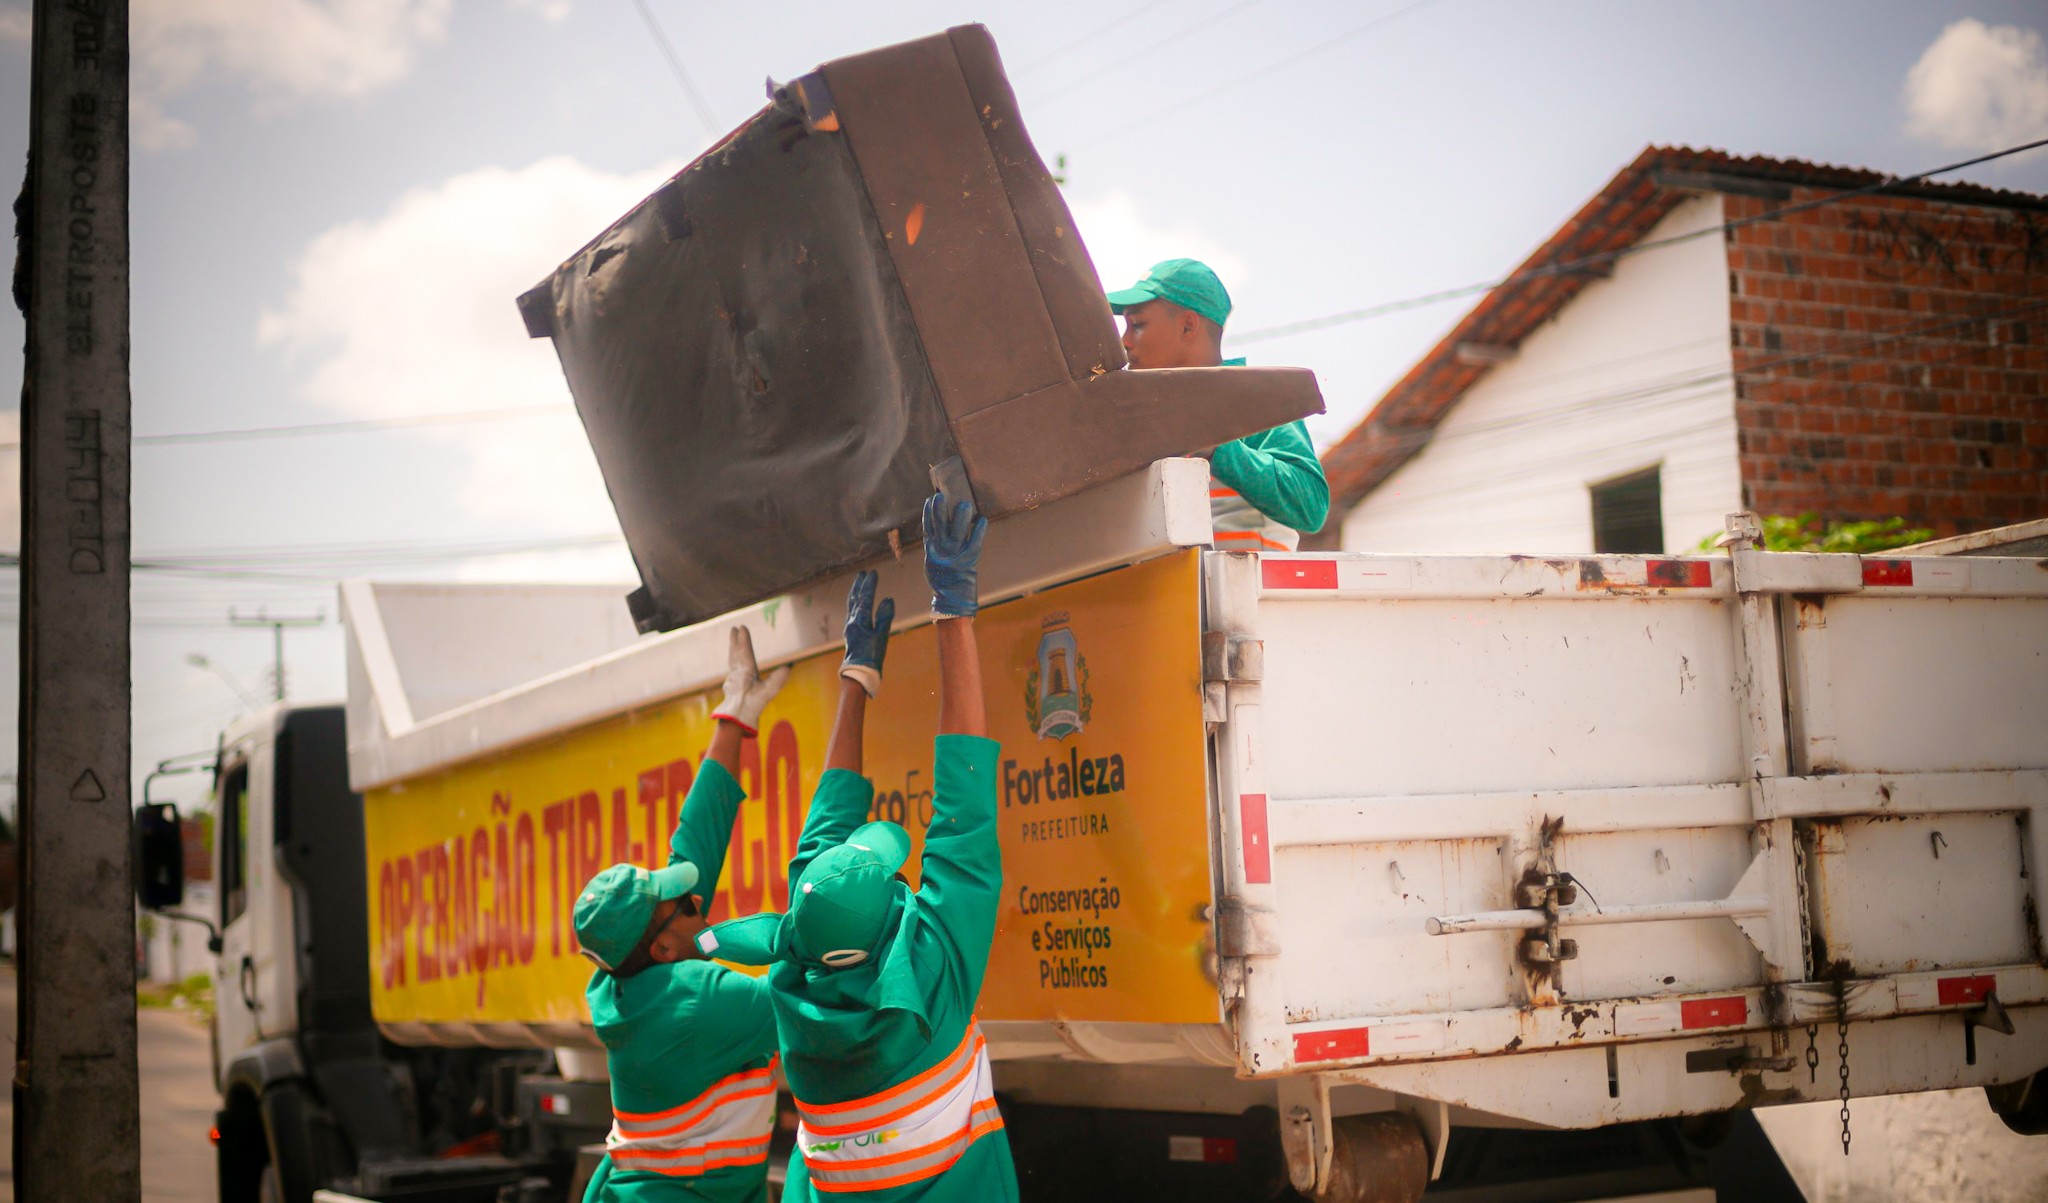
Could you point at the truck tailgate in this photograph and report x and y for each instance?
(1477, 806)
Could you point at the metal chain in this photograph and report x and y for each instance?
(1842, 1051)
(1812, 1052)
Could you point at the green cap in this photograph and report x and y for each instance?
(614, 910)
(836, 911)
(1188, 283)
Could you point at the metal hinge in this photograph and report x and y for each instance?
(1232, 658)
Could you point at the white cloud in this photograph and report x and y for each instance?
(1979, 87)
(547, 10)
(1124, 240)
(282, 50)
(413, 312)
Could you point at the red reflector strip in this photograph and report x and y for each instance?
(1679, 574)
(1219, 1150)
(1297, 574)
(1713, 1012)
(1957, 990)
(1887, 572)
(1340, 1045)
(1251, 824)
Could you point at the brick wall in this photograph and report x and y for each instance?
(1891, 358)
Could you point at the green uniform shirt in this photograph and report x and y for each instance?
(1278, 473)
(671, 1031)
(853, 1032)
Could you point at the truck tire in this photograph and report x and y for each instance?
(288, 1134)
(2022, 1105)
(239, 1154)
(1379, 1158)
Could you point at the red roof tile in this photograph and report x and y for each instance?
(1403, 421)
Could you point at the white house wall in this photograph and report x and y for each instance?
(1634, 373)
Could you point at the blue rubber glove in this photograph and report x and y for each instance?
(952, 554)
(867, 634)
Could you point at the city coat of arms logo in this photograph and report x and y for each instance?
(1056, 698)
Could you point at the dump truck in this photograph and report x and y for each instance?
(1346, 875)
(1328, 872)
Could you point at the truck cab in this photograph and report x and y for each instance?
(312, 1094)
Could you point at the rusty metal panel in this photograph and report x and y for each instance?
(1900, 894)
(871, 275)
(1388, 891)
(1698, 864)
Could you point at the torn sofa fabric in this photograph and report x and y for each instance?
(872, 274)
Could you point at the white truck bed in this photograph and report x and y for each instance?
(1802, 789)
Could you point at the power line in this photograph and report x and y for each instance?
(1248, 77)
(1135, 55)
(1566, 266)
(675, 63)
(277, 564)
(354, 426)
(1091, 35)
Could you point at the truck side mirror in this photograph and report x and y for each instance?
(159, 856)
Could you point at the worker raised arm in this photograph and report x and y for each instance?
(688, 1042)
(1266, 489)
(961, 875)
(874, 986)
(844, 794)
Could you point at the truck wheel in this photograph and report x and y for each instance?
(1379, 1158)
(2022, 1105)
(240, 1156)
(287, 1125)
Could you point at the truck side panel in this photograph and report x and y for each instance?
(1094, 690)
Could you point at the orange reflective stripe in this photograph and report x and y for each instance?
(645, 1117)
(727, 1125)
(716, 1146)
(899, 1136)
(896, 1113)
(971, 1039)
(690, 1121)
(1220, 492)
(871, 1163)
(917, 1175)
(756, 1154)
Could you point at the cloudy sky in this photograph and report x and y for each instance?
(336, 201)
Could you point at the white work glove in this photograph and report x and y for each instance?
(747, 693)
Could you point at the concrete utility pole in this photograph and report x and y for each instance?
(75, 1109)
(277, 624)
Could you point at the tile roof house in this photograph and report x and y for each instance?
(1712, 333)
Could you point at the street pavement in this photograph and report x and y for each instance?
(178, 1102)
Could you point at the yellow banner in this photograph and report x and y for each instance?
(1094, 690)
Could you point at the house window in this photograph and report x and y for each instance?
(1628, 514)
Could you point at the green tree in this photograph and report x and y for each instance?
(1808, 533)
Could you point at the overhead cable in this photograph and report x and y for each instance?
(1240, 81)
(351, 426)
(1568, 266)
(1134, 56)
(682, 73)
(1091, 35)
